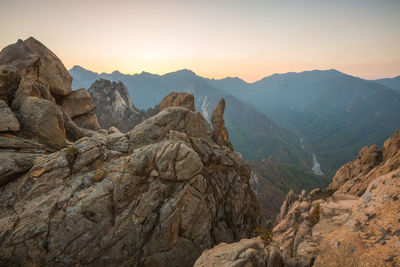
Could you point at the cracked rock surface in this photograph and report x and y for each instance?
(156, 196)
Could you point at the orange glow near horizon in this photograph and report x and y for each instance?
(215, 39)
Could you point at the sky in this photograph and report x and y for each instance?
(248, 39)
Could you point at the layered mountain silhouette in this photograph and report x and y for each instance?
(393, 83)
(335, 113)
(331, 115)
(252, 133)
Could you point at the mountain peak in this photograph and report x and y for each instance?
(182, 72)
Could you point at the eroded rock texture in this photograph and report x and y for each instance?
(156, 196)
(354, 222)
(115, 106)
(35, 88)
(175, 99)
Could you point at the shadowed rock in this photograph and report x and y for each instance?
(9, 81)
(77, 103)
(8, 121)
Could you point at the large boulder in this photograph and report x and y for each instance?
(9, 81)
(8, 121)
(77, 103)
(175, 99)
(42, 120)
(31, 56)
(87, 121)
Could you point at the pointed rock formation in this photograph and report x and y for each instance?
(219, 132)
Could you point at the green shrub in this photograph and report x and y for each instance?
(265, 235)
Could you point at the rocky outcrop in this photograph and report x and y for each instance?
(333, 226)
(354, 222)
(219, 132)
(247, 252)
(30, 55)
(8, 121)
(115, 106)
(175, 99)
(33, 81)
(132, 199)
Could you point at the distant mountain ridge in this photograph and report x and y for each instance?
(252, 133)
(335, 113)
(393, 83)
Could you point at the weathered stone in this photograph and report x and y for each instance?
(219, 132)
(175, 99)
(28, 53)
(340, 226)
(14, 164)
(8, 121)
(247, 252)
(43, 120)
(157, 196)
(87, 121)
(93, 204)
(9, 81)
(30, 86)
(77, 103)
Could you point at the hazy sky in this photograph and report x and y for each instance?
(248, 39)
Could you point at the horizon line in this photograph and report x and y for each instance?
(230, 77)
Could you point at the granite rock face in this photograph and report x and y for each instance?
(33, 82)
(77, 103)
(25, 54)
(115, 106)
(43, 120)
(130, 199)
